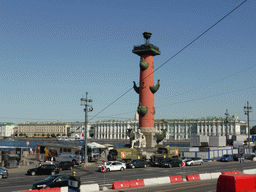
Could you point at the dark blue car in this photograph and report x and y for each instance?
(227, 158)
(3, 173)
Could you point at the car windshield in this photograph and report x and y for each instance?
(225, 155)
(50, 178)
(108, 163)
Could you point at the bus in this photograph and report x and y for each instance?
(56, 152)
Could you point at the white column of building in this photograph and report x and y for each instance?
(198, 126)
(110, 131)
(178, 129)
(237, 129)
(167, 132)
(186, 130)
(174, 131)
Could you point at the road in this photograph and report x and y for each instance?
(193, 186)
(20, 181)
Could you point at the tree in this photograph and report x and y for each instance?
(48, 135)
(35, 134)
(160, 136)
(43, 135)
(53, 135)
(58, 135)
(63, 134)
(21, 134)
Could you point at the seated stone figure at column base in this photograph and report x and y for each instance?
(139, 139)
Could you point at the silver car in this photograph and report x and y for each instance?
(3, 173)
(185, 159)
(195, 161)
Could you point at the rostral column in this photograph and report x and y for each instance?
(147, 89)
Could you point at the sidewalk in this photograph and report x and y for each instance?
(27, 163)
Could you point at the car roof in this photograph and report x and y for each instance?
(57, 175)
(47, 165)
(65, 162)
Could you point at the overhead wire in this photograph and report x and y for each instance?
(173, 56)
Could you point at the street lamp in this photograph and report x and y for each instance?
(247, 110)
(85, 101)
(226, 126)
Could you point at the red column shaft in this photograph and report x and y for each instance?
(146, 96)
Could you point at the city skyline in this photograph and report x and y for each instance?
(53, 52)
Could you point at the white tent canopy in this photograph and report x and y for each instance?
(95, 145)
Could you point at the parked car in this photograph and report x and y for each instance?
(137, 163)
(185, 159)
(3, 173)
(65, 165)
(173, 162)
(52, 181)
(195, 161)
(237, 157)
(226, 158)
(249, 156)
(113, 166)
(45, 169)
(156, 163)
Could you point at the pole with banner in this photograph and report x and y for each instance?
(104, 169)
(27, 145)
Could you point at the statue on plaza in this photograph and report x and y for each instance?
(139, 139)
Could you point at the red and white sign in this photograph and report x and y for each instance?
(27, 142)
(103, 168)
(176, 152)
(123, 155)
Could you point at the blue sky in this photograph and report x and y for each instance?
(53, 51)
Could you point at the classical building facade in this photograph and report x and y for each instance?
(181, 130)
(114, 129)
(7, 129)
(176, 129)
(39, 129)
(77, 129)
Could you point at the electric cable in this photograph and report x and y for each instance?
(173, 56)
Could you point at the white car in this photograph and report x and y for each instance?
(113, 166)
(195, 161)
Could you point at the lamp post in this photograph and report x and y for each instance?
(247, 110)
(226, 126)
(85, 101)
